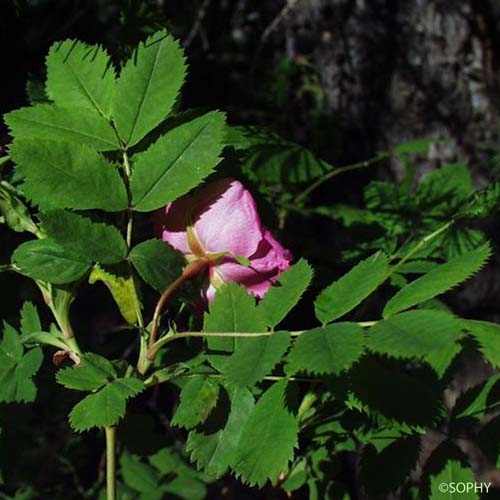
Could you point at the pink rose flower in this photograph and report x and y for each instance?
(220, 223)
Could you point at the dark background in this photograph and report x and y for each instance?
(346, 78)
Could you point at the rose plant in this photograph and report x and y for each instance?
(109, 155)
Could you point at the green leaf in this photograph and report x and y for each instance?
(157, 263)
(414, 334)
(281, 298)
(14, 212)
(80, 75)
(416, 146)
(30, 320)
(269, 437)
(17, 368)
(388, 386)
(122, 287)
(488, 336)
(400, 457)
(441, 359)
(148, 86)
(216, 451)
(63, 175)
(270, 159)
(177, 162)
(46, 260)
(198, 399)
(92, 241)
(438, 280)
(255, 358)
(138, 475)
(77, 125)
(351, 289)
(326, 350)
(91, 374)
(105, 407)
(475, 401)
(233, 310)
(452, 475)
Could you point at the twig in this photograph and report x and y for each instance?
(197, 23)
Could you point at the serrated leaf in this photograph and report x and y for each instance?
(122, 287)
(77, 125)
(17, 368)
(232, 310)
(253, 359)
(441, 359)
(400, 457)
(92, 241)
(327, 350)
(148, 86)
(488, 336)
(271, 159)
(105, 407)
(46, 260)
(80, 75)
(157, 263)
(475, 401)
(283, 296)
(388, 387)
(438, 280)
(453, 474)
(91, 374)
(198, 399)
(414, 334)
(215, 452)
(351, 289)
(30, 320)
(64, 175)
(177, 162)
(269, 437)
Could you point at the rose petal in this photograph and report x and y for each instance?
(254, 281)
(170, 224)
(226, 219)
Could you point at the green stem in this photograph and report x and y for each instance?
(337, 171)
(111, 462)
(183, 335)
(424, 241)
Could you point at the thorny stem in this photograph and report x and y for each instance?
(111, 462)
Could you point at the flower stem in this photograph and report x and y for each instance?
(111, 462)
(190, 271)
